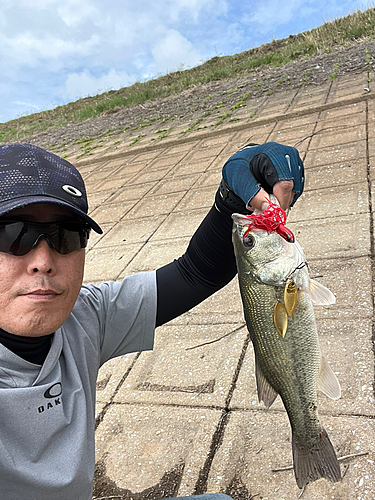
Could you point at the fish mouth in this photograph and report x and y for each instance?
(241, 219)
(242, 223)
(244, 226)
(271, 220)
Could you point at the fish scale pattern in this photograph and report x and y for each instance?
(288, 364)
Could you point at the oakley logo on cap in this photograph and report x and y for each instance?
(72, 190)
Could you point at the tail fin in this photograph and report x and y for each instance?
(310, 465)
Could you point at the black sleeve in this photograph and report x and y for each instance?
(207, 265)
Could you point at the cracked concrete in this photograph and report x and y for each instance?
(184, 418)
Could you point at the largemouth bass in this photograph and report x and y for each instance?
(278, 298)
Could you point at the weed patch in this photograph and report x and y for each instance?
(241, 102)
(335, 69)
(137, 139)
(192, 127)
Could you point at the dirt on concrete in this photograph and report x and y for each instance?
(357, 58)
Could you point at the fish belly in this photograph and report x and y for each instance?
(291, 365)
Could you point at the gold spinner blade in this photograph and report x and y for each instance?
(290, 297)
(280, 319)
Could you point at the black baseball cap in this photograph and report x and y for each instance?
(31, 175)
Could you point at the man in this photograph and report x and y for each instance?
(55, 333)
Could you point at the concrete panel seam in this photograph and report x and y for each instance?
(372, 244)
(236, 128)
(101, 415)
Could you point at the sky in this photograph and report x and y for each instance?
(55, 51)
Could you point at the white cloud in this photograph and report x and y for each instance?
(55, 50)
(269, 14)
(174, 51)
(27, 104)
(85, 83)
(73, 12)
(35, 4)
(177, 8)
(29, 50)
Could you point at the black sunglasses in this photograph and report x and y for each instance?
(19, 237)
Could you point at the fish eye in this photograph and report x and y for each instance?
(249, 241)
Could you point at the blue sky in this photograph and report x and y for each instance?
(56, 51)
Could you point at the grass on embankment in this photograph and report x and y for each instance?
(358, 25)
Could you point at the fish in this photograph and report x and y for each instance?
(278, 299)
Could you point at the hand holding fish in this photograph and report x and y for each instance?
(283, 192)
(256, 171)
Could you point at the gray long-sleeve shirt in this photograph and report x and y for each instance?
(47, 413)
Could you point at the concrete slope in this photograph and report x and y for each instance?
(184, 418)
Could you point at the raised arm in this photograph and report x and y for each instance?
(208, 264)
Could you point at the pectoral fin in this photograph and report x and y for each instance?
(320, 295)
(266, 393)
(327, 381)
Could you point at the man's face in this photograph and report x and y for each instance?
(38, 290)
